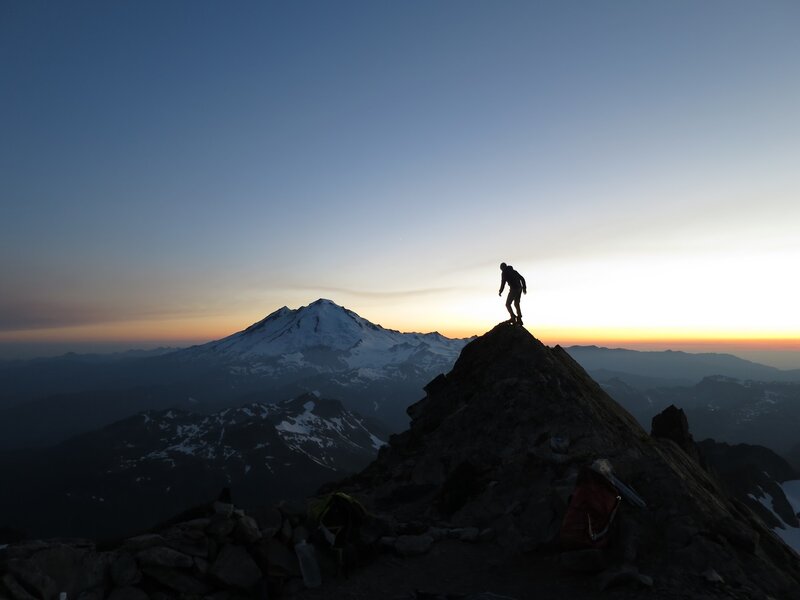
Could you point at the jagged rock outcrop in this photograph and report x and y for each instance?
(672, 424)
(497, 443)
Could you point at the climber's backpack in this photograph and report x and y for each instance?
(337, 519)
(590, 513)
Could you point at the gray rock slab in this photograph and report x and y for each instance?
(127, 593)
(220, 526)
(33, 578)
(413, 545)
(590, 560)
(125, 570)
(176, 580)
(235, 567)
(140, 542)
(247, 530)
(161, 556)
(15, 589)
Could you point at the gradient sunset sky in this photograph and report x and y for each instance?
(171, 172)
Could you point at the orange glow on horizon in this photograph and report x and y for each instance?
(194, 330)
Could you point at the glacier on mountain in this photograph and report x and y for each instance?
(328, 338)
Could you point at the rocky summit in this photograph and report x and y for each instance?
(468, 503)
(496, 445)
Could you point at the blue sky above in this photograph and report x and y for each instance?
(177, 170)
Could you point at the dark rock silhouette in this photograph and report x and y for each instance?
(672, 424)
(479, 453)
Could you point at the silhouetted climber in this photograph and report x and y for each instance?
(516, 287)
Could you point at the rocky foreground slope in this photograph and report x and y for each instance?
(468, 503)
(496, 445)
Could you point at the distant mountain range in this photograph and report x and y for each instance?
(725, 397)
(375, 371)
(321, 347)
(137, 471)
(326, 347)
(645, 370)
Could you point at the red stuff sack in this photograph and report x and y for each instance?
(590, 512)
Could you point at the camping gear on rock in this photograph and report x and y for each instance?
(590, 512)
(337, 519)
(309, 567)
(603, 466)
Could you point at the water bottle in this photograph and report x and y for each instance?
(309, 566)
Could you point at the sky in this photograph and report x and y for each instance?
(171, 172)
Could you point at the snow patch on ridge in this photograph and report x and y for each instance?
(789, 534)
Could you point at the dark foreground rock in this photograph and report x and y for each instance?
(221, 555)
(497, 443)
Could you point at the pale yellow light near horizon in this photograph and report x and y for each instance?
(725, 295)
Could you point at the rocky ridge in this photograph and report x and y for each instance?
(496, 445)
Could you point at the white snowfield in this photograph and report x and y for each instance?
(330, 338)
(789, 534)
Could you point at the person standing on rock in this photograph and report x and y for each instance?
(516, 287)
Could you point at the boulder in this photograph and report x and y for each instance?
(74, 568)
(413, 545)
(91, 594)
(140, 542)
(559, 444)
(269, 520)
(223, 508)
(247, 530)
(236, 568)
(220, 526)
(15, 589)
(281, 560)
(176, 580)
(469, 534)
(127, 593)
(33, 579)
(124, 570)
(624, 575)
(201, 566)
(161, 556)
(672, 424)
(188, 540)
(200, 523)
(589, 560)
(24, 549)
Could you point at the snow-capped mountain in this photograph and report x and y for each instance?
(321, 348)
(329, 338)
(146, 467)
(256, 435)
(328, 348)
